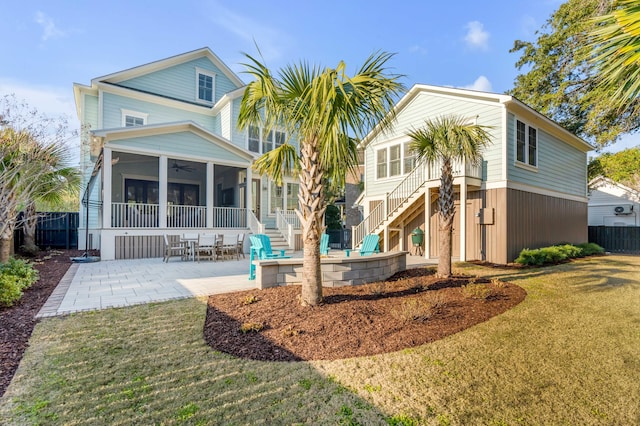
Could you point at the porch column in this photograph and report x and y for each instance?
(386, 238)
(209, 188)
(463, 221)
(427, 223)
(163, 183)
(248, 194)
(106, 185)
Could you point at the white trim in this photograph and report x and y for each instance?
(505, 143)
(134, 114)
(529, 188)
(213, 86)
(157, 153)
(168, 62)
(527, 126)
(100, 110)
(260, 138)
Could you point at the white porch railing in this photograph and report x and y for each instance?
(287, 222)
(394, 200)
(229, 217)
(138, 215)
(254, 224)
(134, 215)
(186, 216)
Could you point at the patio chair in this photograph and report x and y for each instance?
(324, 245)
(266, 245)
(370, 245)
(258, 252)
(240, 246)
(173, 247)
(206, 247)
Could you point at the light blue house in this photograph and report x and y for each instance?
(163, 155)
(529, 191)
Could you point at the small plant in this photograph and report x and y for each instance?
(370, 388)
(556, 254)
(306, 383)
(15, 276)
(378, 288)
(497, 283)
(252, 298)
(251, 327)
(421, 309)
(289, 331)
(476, 291)
(589, 249)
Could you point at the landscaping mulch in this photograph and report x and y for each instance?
(410, 309)
(17, 322)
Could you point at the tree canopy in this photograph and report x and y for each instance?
(622, 167)
(561, 78)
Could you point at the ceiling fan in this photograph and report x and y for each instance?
(184, 167)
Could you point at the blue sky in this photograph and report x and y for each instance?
(49, 45)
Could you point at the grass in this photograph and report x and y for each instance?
(567, 355)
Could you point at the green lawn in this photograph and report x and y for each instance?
(568, 354)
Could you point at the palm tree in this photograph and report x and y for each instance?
(616, 44)
(57, 180)
(445, 140)
(320, 108)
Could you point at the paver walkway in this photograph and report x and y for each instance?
(117, 283)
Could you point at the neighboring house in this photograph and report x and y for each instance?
(613, 204)
(529, 191)
(161, 145)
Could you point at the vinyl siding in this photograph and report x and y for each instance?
(182, 144)
(157, 114)
(425, 106)
(561, 167)
(179, 81)
(602, 205)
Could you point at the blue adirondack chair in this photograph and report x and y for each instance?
(370, 245)
(324, 245)
(259, 252)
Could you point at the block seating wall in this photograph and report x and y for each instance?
(336, 272)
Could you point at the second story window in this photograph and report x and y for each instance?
(526, 144)
(205, 85)
(133, 118)
(395, 162)
(410, 158)
(381, 164)
(261, 141)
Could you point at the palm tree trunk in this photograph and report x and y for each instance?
(29, 227)
(447, 211)
(312, 206)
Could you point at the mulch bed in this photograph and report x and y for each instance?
(17, 322)
(410, 309)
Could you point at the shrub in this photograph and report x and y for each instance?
(15, 276)
(589, 249)
(476, 291)
(555, 254)
(249, 327)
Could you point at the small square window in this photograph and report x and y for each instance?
(133, 118)
(205, 82)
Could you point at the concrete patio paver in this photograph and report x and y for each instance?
(118, 283)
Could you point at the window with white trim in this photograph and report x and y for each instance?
(205, 83)
(133, 118)
(292, 196)
(261, 141)
(283, 197)
(409, 158)
(381, 163)
(526, 144)
(395, 160)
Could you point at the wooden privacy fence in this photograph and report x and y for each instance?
(54, 229)
(616, 239)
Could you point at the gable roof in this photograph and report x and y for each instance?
(601, 181)
(510, 102)
(140, 70)
(178, 126)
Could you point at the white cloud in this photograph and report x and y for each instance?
(270, 40)
(481, 84)
(49, 28)
(477, 37)
(416, 48)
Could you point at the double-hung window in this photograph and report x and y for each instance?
(205, 81)
(526, 144)
(409, 158)
(133, 118)
(381, 163)
(261, 141)
(395, 162)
